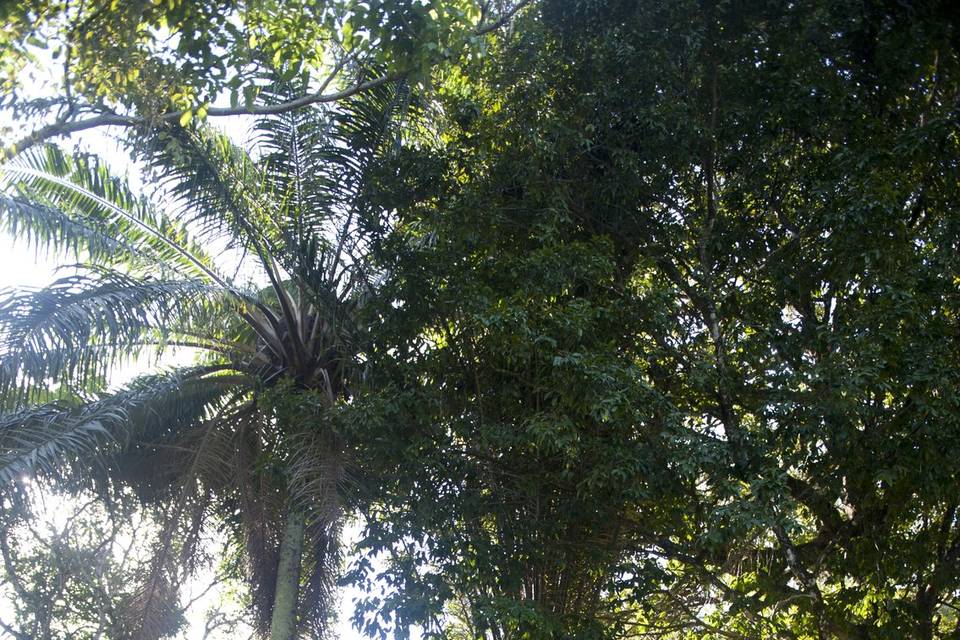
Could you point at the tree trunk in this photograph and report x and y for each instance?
(283, 623)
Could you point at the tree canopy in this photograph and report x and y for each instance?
(239, 436)
(665, 340)
(72, 66)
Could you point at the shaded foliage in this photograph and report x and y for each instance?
(663, 343)
(676, 352)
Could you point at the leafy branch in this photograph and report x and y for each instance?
(65, 125)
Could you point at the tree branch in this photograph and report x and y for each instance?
(503, 19)
(13, 632)
(67, 127)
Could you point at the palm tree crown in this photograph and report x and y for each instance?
(260, 263)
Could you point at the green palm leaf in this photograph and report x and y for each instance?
(73, 203)
(215, 185)
(74, 445)
(214, 440)
(319, 163)
(187, 471)
(76, 329)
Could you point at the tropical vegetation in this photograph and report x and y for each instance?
(606, 319)
(240, 434)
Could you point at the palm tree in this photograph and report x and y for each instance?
(260, 263)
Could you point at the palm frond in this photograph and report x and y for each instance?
(74, 330)
(221, 191)
(260, 505)
(37, 438)
(315, 472)
(186, 471)
(46, 228)
(216, 186)
(75, 445)
(319, 163)
(72, 203)
(292, 143)
(152, 611)
(207, 439)
(323, 562)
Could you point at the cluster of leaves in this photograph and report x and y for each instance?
(673, 351)
(648, 328)
(70, 66)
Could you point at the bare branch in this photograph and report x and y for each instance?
(504, 19)
(13, 632)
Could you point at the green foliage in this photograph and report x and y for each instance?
(647, 328)
(242, 437)
(674, 342)
(78, 65)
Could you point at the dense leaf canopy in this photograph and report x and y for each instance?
(688, 362)
(665, 340)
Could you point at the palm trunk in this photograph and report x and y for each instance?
(283, 623)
